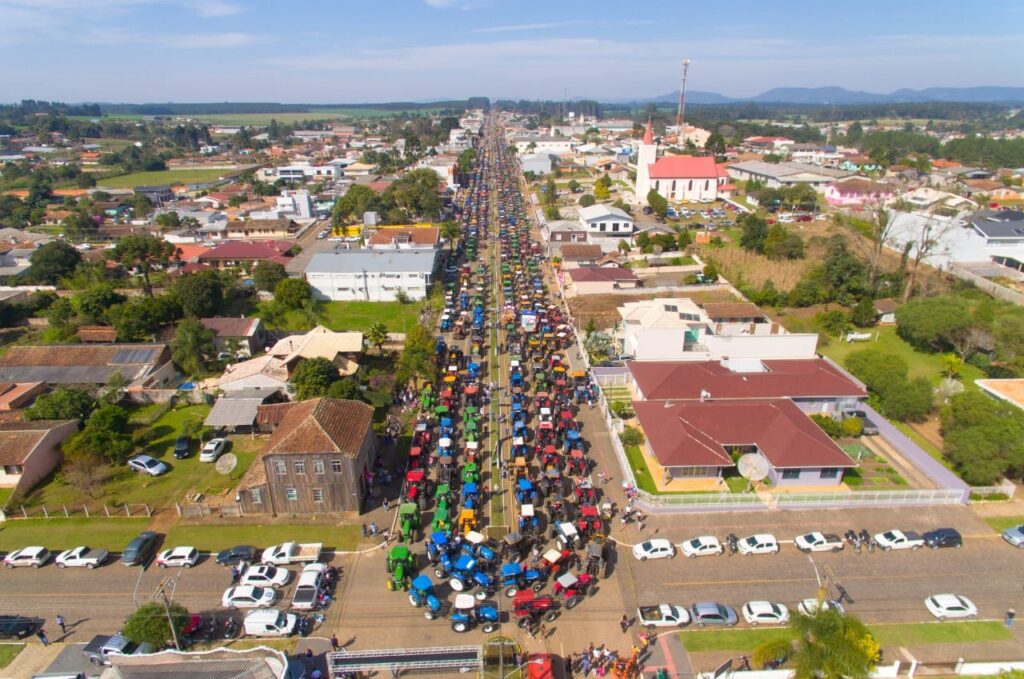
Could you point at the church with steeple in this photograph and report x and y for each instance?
(678, 178)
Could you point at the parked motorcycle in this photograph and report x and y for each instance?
(230, 628)
(854, 539)
(733, 543)
(867, 539)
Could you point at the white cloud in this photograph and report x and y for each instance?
(186, 41)
(215, 8)
(521, 27)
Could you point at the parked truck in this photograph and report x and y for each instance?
(292, 552)
(311, 583)
(99, 650)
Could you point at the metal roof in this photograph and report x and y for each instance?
(234, 412)
(373, 261)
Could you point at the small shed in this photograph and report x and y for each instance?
(885, 311)
(235, 411)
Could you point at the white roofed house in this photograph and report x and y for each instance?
(371, 275)
(606, 221)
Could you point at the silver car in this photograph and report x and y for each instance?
(1015, 536)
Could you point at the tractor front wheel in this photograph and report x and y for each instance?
(456, 585)
(537, 586)
(489, 627)
(525, 622)
(439, 572)
(412, 600)
(571, 603)
(480, 595)
(459, 627)
(429, 615)
(511, 591)
(550, 616)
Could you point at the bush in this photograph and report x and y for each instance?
(828, 425)
(551, 213)
(832, 322)
(631, 436)
(710, 272)
(586, 200)
(622, 410)
(852, 427)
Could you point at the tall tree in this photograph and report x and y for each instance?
(53, 261)
(827, 645)
(377, 335)
(200, 294)
(313, 377)
(925, 242)
(451, 231)
(150, 624)
(193, 346)
(266, 275)
(292, 293)
(143, 253)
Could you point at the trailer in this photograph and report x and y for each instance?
(448, 659)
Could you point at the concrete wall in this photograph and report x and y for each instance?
(808, 477)
(797, 345)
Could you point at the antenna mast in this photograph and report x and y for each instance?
(682, 103)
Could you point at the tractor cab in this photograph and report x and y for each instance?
(421, 593)
(408, 521)
(527, 519)
(567, 536)
(400, 564)
(466, 615)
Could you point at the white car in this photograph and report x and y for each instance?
(212, 450)
(812, 606)
(27, 556)
(944, 606)
(658, 548)
(77, 557)
(762, 543)
(265, 576)
(705, 545)
(185, 557)
(663, 615)
(898, 539)
(248, 596)
(148, 465)
(819, 542)
(765, 613)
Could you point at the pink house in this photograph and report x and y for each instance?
(31, 450)
(857, 192)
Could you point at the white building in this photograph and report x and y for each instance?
(544, 144)
(373, 275)
(677, 178)
(299, 172)
(677, 329)
(606, 221)
(779, 175)
(444, 166)
(538, 163)
(991, 237)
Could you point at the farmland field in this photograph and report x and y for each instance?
(127, 181)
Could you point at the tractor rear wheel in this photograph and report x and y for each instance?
(439, 572)
(511, 591)
(412, 600)
(525, 622)
(489, 627)
(550, 616)
(537, 586)
(429, 615)
(480, 595)
(456, 584)
(459, 627)
(571, 603)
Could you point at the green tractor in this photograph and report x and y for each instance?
(409, 521)
(470, 473)
(401, 564)
(442, 514)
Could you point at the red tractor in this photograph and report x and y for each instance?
(416, 488)
(578, 465)
(589, 522)
(585, 493)
(528, 608)
(573, 587)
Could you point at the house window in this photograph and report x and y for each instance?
(256, 496)
(830, 472)
(282, 468)
(690, 186)
(300, 466)
(336, 466)
(318, 495)
(291, 494)
(13, 469)
(707, 184)
(602, 225)
(615, 226)
(673, 186)
(318, 467)
(790, 473)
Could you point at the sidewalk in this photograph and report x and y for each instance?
(32, 660)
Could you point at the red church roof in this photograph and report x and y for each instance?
(685, 167)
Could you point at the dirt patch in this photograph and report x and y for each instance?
(931, 430)
(603, 309)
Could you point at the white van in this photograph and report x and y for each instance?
(268, 622)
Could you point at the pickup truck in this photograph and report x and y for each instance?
(99, 650)
(82, 556)
(292, 552)
(311, 583)
(898, 539)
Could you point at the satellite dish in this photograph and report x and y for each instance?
(753, 467)
(226, 463)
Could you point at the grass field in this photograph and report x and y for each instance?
(185, 477)
(641, 473)
(8, 652)
(61, 534)
(1001, 523)
(128, 181)
(361, 315)
(921, 364)
(729, 639)
(215, 537)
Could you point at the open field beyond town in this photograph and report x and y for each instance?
(128, 181)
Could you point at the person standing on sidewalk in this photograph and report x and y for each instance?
(41, 635)
(62, 623)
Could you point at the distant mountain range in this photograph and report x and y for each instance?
(841, 95)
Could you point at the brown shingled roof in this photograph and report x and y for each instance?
(229, 326)
(96, 333)
(575, 251)
(321, 425)
(417, 236)
(885, 306)
(19, 439)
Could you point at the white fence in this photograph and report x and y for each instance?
(870, 498)
(1007, 489)
(987, 668)
(881, 672)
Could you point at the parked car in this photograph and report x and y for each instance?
(765, 613)
(867, 426)
(662, 615)
(1015, 536)
(819, 542)
(181, 447)
(705, 545)
(944, 606)
(239, 554)
(944, 537)
(140, 550)
(898, 539)
(148, 465)
(82, 556)
(711, 613)
(265, 576)
(102, 646)
(812, 606)
(212, 450)
(247, 596)
(658, 548)
(292, 552)
(27, 556)
(185, 557)
(762, 543)
(18, 627)
(312, 581)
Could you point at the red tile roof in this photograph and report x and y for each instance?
(96, 333)
(685, 167)
(593, 274)
(322, 425)
(230, 326)
(418, 236)
(272, 250)
(575, 251)
(699, 434)
(805, 378)
(189, 252)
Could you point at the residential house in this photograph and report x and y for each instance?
(17, 395)
(405, 238)
(989, 189)
(859, 163)
(319, 459)
(372, 275)
(598, 280)
(29, 451)
(157, 195)
(785, 174)
(262, 228)
(237, 336)
(299, 172)
(242, 253)
(537, 163)
(343, 349)
(857, 192)
(235, 411)
(927, 199)
(885, 311)
(544, 144)
(606, 221)
(89, 364)
(575, 255)
(562, 231)
(96, 333)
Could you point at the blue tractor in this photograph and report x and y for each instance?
(421, 593)
(475, 545)
(470, 495)
(526, 493)
(514, 578)
(466, 575)
(439, 552)
(466, 615)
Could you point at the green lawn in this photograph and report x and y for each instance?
(745, 640)
(361, 315)
(921, 364)
(185, 477)
(128, 181)
(8, 652)
(61, 534)
(5, 495)
(1001, 523)
(641, 473)
(215, 537)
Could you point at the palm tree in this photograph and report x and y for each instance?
(450, 231)
(377, 335)
(827, 645)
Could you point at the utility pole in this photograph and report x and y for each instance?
(681, 136)
(161, 593)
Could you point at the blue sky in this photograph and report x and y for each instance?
(322, 51)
